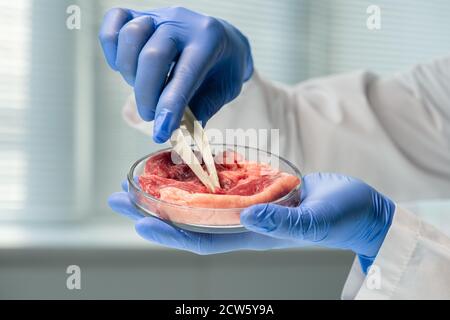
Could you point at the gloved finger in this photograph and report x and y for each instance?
(202, 243)
(121, 203)
(132, 38)
(109, 33)
(188, 74)
(124, 183)
(299, 223)
(153, 66)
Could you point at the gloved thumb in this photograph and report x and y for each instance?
(298, 223)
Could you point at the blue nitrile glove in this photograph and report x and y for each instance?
(212, 57)
(336, 212)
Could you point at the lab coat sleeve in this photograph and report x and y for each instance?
(413, 263)
(397, 125)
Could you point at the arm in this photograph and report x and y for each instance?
(398, 126)
(335, 212)
(340, 122)
(413, 263)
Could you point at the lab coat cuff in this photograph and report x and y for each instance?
(383, 277)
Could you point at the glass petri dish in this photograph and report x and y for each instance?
(207, 220)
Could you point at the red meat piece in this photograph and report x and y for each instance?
(174, 181)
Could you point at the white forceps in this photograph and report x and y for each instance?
(183, 149)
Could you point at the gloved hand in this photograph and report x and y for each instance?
(336, 211)
(213, 60)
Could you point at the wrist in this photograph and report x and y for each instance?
(385, 209)
(365, 262)
(236, 36)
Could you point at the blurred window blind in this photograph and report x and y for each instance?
(64, 147)
(411, 31)
(36, 72)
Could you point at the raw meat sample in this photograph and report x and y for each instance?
(243, 183)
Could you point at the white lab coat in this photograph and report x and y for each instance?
(393, 132)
